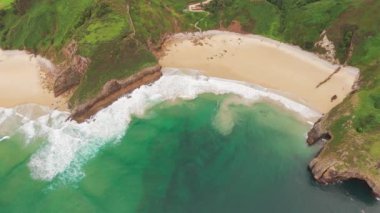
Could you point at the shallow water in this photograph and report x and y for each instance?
(211, 154)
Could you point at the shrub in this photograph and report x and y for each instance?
(21, 6)
(218, 5)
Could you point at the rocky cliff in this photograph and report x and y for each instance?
(329, 169)
(113, 90)
(71, 70)
(343, 162)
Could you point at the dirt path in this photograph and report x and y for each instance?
(198, 7)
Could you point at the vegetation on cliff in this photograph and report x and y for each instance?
(355, 125)
(113, 35)
(118, 37)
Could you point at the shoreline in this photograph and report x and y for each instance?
(23, 76)
(248, 91)
(113, 90)
(237, 79)
(112, 121)
(290, 71)
(325, 170)
(286, 69)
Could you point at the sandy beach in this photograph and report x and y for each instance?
(21, 81)
(284, 68)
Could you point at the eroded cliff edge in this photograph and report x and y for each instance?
(346, 153)
(113, 90)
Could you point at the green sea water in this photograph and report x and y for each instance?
(211, 154)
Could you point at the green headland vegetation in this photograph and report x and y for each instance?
(119, 38)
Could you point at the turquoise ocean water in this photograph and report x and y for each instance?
(211, 154)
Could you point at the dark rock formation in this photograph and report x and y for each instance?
(327, 167)
(113, 90)
(317, 133)
(71, 70)
(333, 98)
(65, 81)
(325, 170)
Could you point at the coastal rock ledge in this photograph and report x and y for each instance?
(329, 168)
(113, 90)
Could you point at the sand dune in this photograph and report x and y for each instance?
(286, 69)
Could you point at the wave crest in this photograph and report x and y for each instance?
(68, 145)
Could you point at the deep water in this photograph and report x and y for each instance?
(211, 154)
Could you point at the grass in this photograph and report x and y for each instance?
(105, 66)
(105, 30)
(367, 53)
(303, 25)
(46, 25)
(5, 4)
(355, 124)
(258, 17)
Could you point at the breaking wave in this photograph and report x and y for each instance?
(68, 145)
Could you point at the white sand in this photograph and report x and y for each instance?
(286, 69)
(21, 81)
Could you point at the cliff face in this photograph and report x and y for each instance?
(71, 70)
(343, 162)
(331, 170)
(317, 133)
(113, 90)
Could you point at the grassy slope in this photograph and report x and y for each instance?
(355, 124)
(5, 4)
(106, 35)
(113, 37)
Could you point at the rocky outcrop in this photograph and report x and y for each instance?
(113, 90)
(330, 170)
(67, 79)
(317, 133)
(326, 48)
(71, 70)
(329, 167)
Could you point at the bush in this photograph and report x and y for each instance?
(376, 101)
(103, 10)
(348, 32)
(218, 5)
(2, 13)
(21, 6)
(367, 123)
(299, 3)
(85, 16)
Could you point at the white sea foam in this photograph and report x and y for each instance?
(4, 138)
(69, 144)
